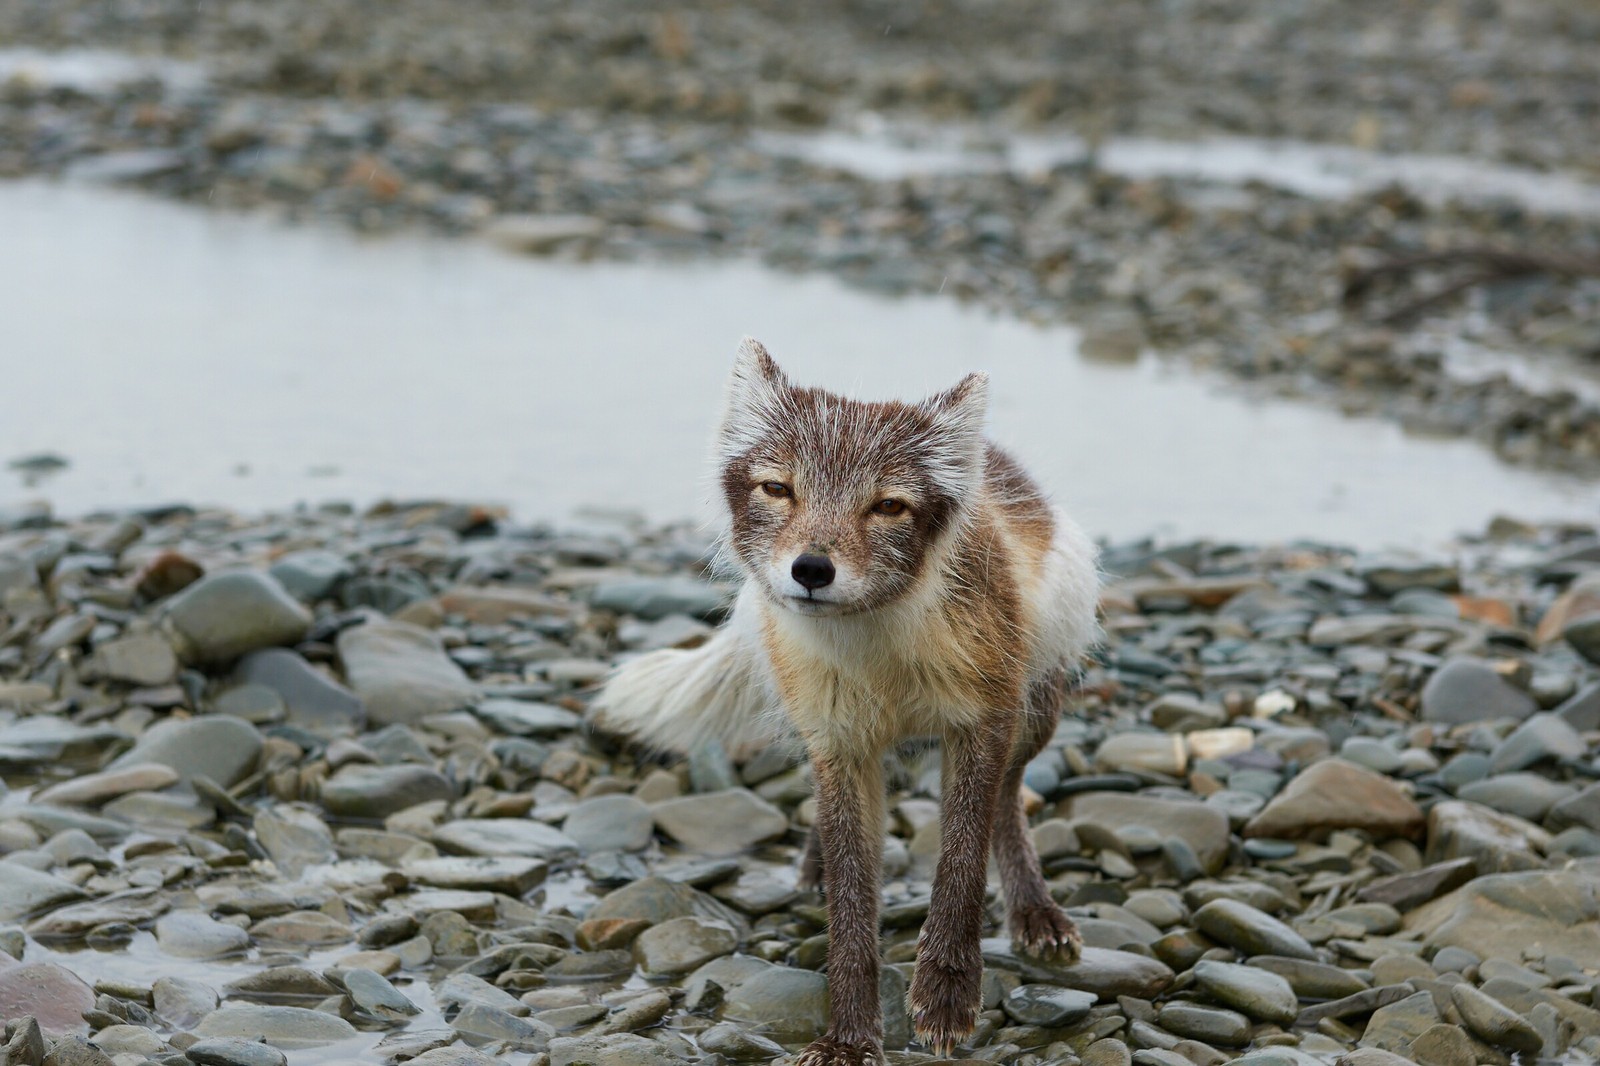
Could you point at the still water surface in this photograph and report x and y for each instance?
(172, 354)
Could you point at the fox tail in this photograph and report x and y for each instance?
(680, 700)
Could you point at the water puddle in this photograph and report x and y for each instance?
(879, 152)
(95, 71)
(172, 354)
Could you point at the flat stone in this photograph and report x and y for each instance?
(227, 1051)
(136, 659)
(1105, 972)
(302, 927)
(134, 907)
(611, 823)
(181, 1001)
(787, 1004)
(223, 616)
(1468, 690)
(375, 995)
(1582, 810)
(364, 791)
(1335, 794)
(720, 823)
(129, 1040)
(294, 837)
(1251, 931)
(1504, 915)
(658, 900)
(503, 836)
(401, 672)
(52, 995)
(279, 982)
(683, 944)
(465, 990)
(526, 718)
(1213, 1025)
(1394, 1027)
(1203, 828)
(1047, 1005)
(512, 875)
(197, 935)
(1159, 753)
(653, 598)
(1541, 737)
(1311, 980)
(1582, 710)
(289, 1028)
(1408, 890)
(1527, 795)
(25, 891)
(93, 789)
(311, 574)
(1257, 993)
(44, 738)
(1443, 1045)
(224, 749)
(312, 700)
(1493, 1022)
(1495, 842)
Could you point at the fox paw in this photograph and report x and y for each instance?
(831, 1051)
(1046, 933)
(944, 1002)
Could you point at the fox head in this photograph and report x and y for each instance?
(837, 506)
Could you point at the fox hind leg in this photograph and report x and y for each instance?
(1038, 925)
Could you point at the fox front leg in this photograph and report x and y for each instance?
(945, 991)
(849, 830)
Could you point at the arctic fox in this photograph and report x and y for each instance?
(903, 578)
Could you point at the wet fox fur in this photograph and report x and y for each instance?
(903, 578)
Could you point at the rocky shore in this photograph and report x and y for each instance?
(318, 786)
(607, 131)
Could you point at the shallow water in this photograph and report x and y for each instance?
(174, 354)
(97, 70)
(879, 152)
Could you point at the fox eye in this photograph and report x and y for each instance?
(890, 507)
(777, 490)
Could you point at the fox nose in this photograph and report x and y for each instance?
(813, 571)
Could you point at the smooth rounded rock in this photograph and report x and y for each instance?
(223, 616)
(197, 935)
(1047, 1005)
(720, 823)
(1467, 690)
(226, 1051)
(375, 792)
(1254, 992)
(1335, 794)
(1251, 931)
(610, 823)
(401, 672)
(683, 944)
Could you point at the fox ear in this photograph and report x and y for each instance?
(962, 407)
(755, 394)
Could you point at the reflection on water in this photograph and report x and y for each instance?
(174, 354)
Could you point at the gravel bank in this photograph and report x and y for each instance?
(321, 778)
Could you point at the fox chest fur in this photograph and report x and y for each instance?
(933, 661)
